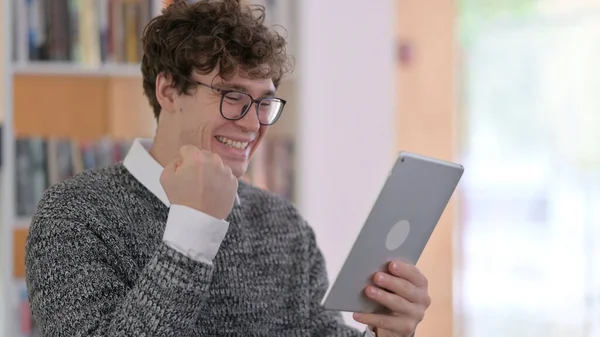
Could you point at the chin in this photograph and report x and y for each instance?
(238, 169)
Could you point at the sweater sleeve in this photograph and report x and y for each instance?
(75, 291)
(324, 323)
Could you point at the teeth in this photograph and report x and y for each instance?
(232, 143)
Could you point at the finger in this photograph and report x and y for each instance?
(399, 286)
(408, 272)
(189, 153)
(225, 169)
(391, 301)
(229, 171)
(168, 171)
(173, 165)
(399, 324)
(178, 163)
(215, 159)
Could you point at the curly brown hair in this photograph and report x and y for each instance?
(206, 35)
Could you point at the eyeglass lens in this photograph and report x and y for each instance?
(235, 104)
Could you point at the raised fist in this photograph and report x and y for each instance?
(199, 179)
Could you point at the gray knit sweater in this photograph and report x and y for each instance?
(97, 266)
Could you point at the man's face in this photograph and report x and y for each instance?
(198, 119)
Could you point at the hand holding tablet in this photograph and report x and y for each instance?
(391, 241)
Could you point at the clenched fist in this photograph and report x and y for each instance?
(199, 179)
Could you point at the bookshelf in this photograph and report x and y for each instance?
(81, 103)
(6, 171)
(71, 87)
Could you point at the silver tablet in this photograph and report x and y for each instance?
(403, 218)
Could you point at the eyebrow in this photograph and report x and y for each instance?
(238, 87)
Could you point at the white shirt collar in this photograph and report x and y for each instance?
(146, 169)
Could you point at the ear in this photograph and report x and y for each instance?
(165, 92)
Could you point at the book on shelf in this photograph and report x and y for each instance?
(86, 32)
(1, 173)
(1, 144)
(272, 166)
(281, 166)
(41, 163)
(27, 324)
(278, 13)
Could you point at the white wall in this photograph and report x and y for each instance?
(5, 184)
(346, 115)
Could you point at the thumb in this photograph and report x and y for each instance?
(169, 170)
(188, 152)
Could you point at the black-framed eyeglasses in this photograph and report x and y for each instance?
(236, 104)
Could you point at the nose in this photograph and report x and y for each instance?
(250, 121)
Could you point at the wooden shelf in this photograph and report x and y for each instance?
(72, 101)
(19, 241)
(70, 69)
(80, 107)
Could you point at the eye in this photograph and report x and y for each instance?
(235, 97)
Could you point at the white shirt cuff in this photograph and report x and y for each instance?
(369, 332)
(195, 234)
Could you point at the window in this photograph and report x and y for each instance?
(530, 228)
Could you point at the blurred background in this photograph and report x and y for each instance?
(508, 88)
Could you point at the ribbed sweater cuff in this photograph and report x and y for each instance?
(175, 269)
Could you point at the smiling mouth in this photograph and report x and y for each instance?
(232, 143)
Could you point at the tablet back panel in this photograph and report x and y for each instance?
(398, 227)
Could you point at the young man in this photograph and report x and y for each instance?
(169, 242)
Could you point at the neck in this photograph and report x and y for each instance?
(164, 147)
